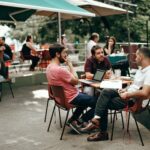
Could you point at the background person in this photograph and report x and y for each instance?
(30, 52)
(8, 55)
(3, 73)
(92, 42)
(109, 48)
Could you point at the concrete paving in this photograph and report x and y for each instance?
(22, 126)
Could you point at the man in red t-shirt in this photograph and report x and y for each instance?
(67, 78)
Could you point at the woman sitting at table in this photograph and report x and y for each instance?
(29, 52)
(109, 48)
(123, 65)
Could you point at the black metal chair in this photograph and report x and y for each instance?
(47, 104)
(60, 102)
(129, 110)
(8, 81)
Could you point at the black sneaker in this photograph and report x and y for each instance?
(74, 126)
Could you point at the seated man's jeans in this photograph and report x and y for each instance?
(83, 101)
(6, 57)
(108, 99)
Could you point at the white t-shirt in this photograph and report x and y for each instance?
(90, 44)
(141, 78)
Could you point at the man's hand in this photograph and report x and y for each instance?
(124, 96)
(108, 74)
(68, 62)
(122, 91)
(2, 48)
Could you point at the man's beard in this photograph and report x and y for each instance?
(61, 60)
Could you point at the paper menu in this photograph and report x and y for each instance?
(112, 84)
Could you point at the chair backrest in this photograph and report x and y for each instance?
(50, 94)
(138, 106)
(59, 97)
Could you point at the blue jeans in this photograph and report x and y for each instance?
(83, 101)
(6, 57)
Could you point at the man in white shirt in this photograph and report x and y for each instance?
(92, 42)
(139, 90)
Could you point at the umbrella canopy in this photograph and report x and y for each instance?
(9, 14)
(99, 8)
(20, 10)
(46, 6)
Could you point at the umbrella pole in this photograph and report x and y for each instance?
(59, 26)
(128, 29)
(147, 38)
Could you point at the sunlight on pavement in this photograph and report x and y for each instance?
(40, 93)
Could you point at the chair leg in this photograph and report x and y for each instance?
(60, 118)
(72, 111)
(122, 120)
(128, 122)
(139, 132)
(11, 89)
(128, 72)
(116, 117)
(0, 96)
(46, 110)
(64, 125)
(51, 118)
(1, 92)
(113, 124)
(110, 116)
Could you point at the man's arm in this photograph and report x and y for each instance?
(144, 93)
(88, 69)
(89, 75)
(8, 51)
(74, 80)
(31, 46)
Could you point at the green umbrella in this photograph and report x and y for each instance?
(22, 9)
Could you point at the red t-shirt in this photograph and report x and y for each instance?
(60, 76)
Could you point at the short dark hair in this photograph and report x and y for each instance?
(28, 38)
(3, 38)
(94, 48)
(55, 48)
(145, 51)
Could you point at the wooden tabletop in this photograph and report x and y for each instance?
(97, 84)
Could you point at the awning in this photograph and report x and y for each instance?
(99, 8)
(10, 8)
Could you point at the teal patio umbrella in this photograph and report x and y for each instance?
(13, 10)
